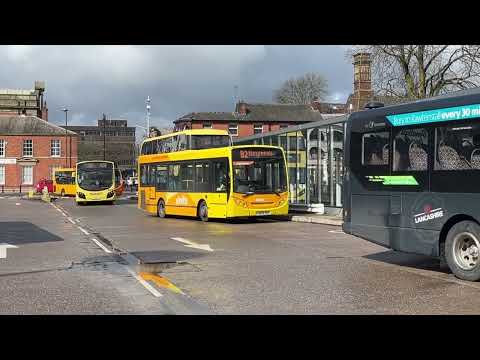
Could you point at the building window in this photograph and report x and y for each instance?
(283, 126)
(233, 129)
(207, 125)
(2, 148)
(27, 175)
(2, 175)
(28, 147)
(55, 148)
(258, 129)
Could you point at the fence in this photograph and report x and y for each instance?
(22, 189)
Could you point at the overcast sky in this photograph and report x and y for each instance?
(91, 80)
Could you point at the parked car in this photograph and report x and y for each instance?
(42, 183)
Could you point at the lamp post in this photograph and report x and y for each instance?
(148, 116)
(65, 110)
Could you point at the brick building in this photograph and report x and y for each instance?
(249, 119)
(30, 149)
(363, 92)
(27, 102)
(119, 142)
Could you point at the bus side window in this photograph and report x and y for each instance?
(143, 175)
(410, 150)
(202, 178)
(220, 177)
(162, 177)
(173, 177)
(375, 149)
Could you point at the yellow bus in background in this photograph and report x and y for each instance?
(215, 182)
(95, 182)
(64, 182)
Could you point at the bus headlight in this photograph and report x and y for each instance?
(110, 194)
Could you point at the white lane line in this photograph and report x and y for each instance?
(192, 244)
(101, 245)
(71, 220)
(336, 231)
(146, 284)
(3, 249)
(84, 231)
(57, 208)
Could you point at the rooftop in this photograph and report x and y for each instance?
(260, 112)
(29, 125)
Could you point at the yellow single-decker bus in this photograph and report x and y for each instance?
(95, 181)
(216, 182)
(64, 182)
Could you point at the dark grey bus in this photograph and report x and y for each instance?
(412, 179)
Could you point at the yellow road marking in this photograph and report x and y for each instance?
(160, 281)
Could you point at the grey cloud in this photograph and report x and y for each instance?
(115, 80)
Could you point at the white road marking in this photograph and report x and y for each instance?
(84, 231)
(17, 203)
(71, 220)
(192, 244)
(336, 231)
(3, 249)
(146, 284)
(101, 245)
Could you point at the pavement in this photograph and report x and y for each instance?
(51, 267)
(272, 267)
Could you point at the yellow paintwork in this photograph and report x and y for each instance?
(91, 196)
(69, 189)
(186, 203)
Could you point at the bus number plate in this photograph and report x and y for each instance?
(263, 213)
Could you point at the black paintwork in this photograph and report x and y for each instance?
(386, 214)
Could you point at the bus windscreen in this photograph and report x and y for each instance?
(258, 171)
(95, 176)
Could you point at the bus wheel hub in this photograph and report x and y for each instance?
(466, 250)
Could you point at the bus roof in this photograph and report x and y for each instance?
(456, 98)
(191, 132)
(93, 161)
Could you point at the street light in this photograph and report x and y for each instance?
(65, 110)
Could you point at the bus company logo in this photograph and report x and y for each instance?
(246, 154)
(181, 200)
(428, 214)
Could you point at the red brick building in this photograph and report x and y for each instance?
(30, 149)
(249, 119)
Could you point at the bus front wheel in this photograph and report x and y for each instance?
(203, 211)
(462, 250)
(161, 209)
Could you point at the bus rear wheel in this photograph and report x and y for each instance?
(161, 209)
(203, 211)
(462, 250)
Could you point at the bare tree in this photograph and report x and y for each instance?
(420, 71)
(302, 90)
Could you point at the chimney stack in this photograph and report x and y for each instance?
(362, 83)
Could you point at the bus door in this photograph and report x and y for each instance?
(150, 190)
(217, 200)
(370, 175)
(409, 175)
(147, 181)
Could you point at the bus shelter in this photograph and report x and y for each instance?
(314, 154)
